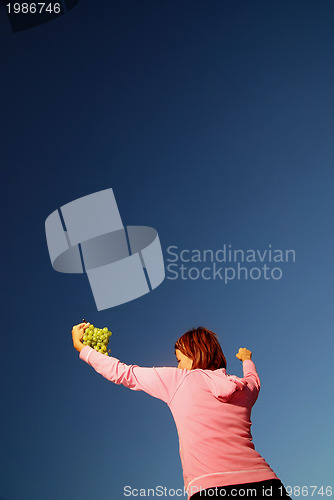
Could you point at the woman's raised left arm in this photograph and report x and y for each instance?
(160, 382)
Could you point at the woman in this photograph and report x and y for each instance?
(211, 411)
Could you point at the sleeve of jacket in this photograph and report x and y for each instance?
(160, 382)
(252, 377)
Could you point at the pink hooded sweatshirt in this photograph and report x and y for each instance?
(212, 415)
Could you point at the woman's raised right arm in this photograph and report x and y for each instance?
(245, 355)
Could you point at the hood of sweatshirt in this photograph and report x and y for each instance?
(223, 386)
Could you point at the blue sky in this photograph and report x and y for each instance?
(213, 123)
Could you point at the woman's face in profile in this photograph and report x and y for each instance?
(184, 362)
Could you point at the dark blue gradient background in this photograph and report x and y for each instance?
(213, 123)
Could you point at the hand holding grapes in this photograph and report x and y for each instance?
(86, 334)
(77, 335)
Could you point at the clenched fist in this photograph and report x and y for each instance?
(243, 354)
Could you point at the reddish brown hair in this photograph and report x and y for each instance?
(202, 346)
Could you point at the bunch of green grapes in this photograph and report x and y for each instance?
(97, 338)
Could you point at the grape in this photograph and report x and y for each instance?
(97, 339)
